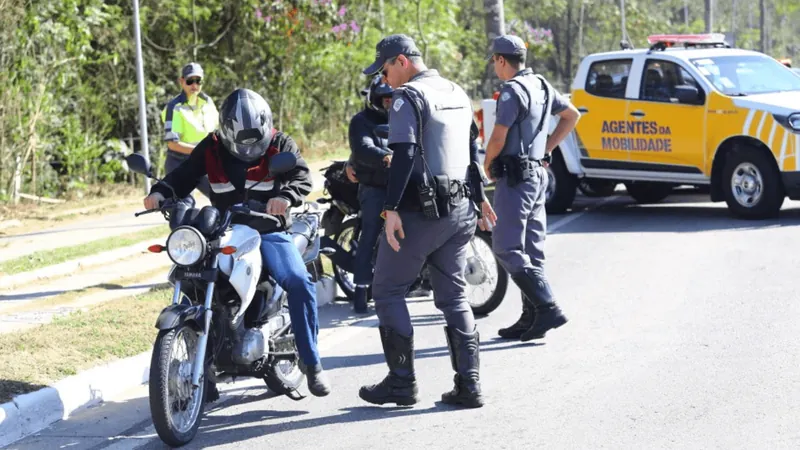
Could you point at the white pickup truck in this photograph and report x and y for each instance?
(700, 113)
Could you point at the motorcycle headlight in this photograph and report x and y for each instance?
(186, 246)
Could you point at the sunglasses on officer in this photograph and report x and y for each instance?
(192, 81)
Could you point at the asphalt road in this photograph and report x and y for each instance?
(682, 334)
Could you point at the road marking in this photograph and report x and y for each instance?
(564, 221)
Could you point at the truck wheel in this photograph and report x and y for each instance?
(752, 185)
(597, 187)
(561, 186)
(648, 191)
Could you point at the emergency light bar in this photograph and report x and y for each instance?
(664, 41)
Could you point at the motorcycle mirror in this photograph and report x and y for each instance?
(282, 163)
(382, 131)
(139, 164)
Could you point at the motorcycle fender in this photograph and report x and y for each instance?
(175, 315)
(340, 257)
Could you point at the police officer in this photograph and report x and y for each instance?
(432, 137)
(188, 118)
(515, 158)
(370, 159)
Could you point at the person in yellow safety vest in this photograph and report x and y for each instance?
(188, 118)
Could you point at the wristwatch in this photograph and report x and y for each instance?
(548, 158)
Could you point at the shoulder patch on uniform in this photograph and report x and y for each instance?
(398, 104)
(505, 96)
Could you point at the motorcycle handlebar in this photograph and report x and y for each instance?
(247, 210)
(163, 206)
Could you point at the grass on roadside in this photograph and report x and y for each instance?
(39, 356)
(77, 297)
(59, 255)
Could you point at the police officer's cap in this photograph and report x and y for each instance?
(507, 45)
(192, 70)
(390, 47)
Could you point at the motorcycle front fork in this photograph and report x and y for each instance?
(202, 342)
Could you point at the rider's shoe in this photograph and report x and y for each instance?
(420, 289)
(318, 383)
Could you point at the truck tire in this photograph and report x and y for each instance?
(752, 185)
(648, 191)
(561, 186)
(597, 187)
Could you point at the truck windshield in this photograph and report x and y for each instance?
(747, 75)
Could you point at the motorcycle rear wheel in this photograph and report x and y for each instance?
(485, 270)
(344, 279)
(285, 376)
(171, 387)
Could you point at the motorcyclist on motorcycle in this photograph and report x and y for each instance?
(235, 158)
(368, 165)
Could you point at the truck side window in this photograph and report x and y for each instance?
(608, 78)
(660, 80)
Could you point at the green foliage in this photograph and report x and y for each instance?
(69, 78)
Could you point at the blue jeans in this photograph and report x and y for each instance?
(286, 265)
(371, 200)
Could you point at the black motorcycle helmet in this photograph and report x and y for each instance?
(245, 124)
(376, 92)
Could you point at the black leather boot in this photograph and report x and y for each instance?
(465, 358)
(547, 314)
(400, 385)
(360, 300)
(522, 324)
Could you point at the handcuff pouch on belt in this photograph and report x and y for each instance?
(515, 168)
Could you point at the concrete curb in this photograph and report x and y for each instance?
(69, 267)
(30, 413)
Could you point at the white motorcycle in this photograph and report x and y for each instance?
(228, 317)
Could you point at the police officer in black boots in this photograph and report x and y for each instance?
(429, 216)
(515, 158)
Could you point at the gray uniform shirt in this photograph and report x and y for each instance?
(513, 107)
(446, 116)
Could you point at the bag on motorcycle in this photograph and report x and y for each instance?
(339, 187)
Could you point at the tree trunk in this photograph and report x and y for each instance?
(762, 19)
(568, 68)
(495, 26)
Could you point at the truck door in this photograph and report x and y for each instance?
(603, 108)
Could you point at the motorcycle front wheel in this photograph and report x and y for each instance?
(175, 405)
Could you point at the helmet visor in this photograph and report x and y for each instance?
(249, 152)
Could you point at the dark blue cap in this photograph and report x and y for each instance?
(390, 47)
(508, 45)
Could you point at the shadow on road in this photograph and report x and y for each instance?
(683, 212)
(216, 430)
(340, 362)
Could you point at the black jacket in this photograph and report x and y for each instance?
(228, 177)
(367, 150)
